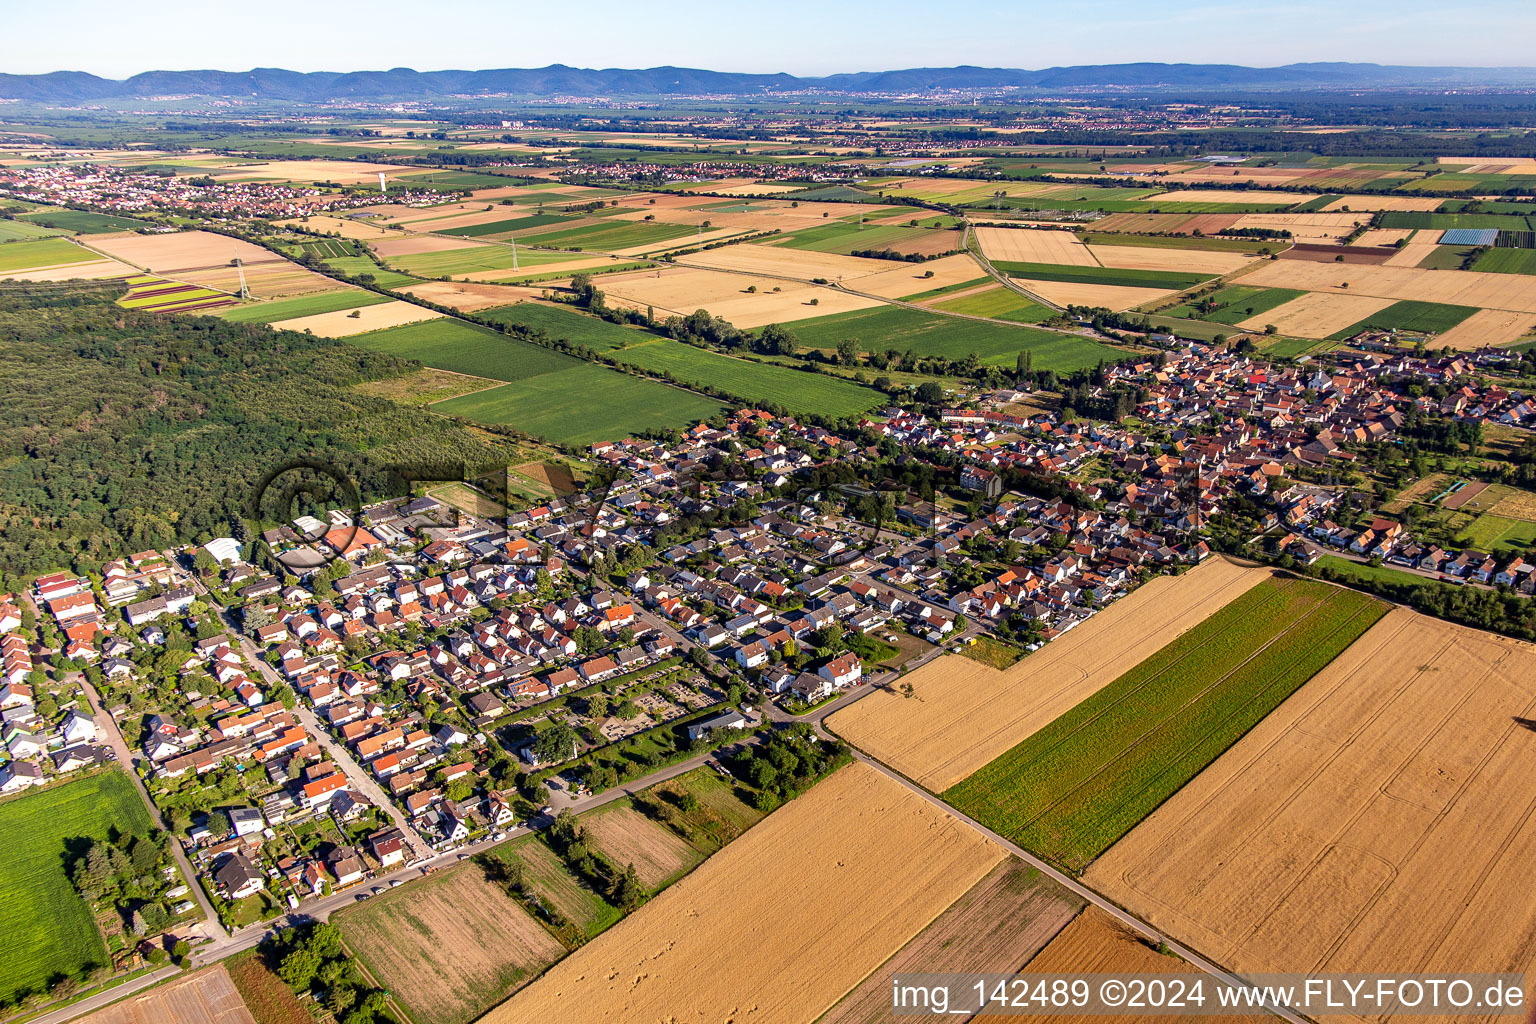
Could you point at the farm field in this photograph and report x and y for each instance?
(1507, 261)
(42, 252)
(1096, 275)
(930, 334)
(1316, 314)
(584, 404)
(1429, 317)
(965, 714)
(1077, 293)
(757, 383)
(1320, 841)
(1500, 536)
(1237, 302)
(308, 305)
(1029, 245)
(776, 261)
(625, 836)
(465, 348)
(357, 266)
(681, 290)
(996, 927)
(720, 816)
(342, 323)
(563, 322)
(829, 923)
(998, 303)
(18, 230)
(449, 947)
(1072, 788)
(1161, 259)
(478, 260)
(204, 258)
(205, 997)
(50, 929)
(1096, 943)
(1488, 327)
(465, 296)
(555, 886)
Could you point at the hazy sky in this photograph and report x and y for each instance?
(804, 37)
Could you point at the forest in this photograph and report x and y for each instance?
(124, 431)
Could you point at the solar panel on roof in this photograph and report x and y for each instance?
(1469, 236)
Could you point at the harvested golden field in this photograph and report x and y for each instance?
(1096, 943)
(1490, 165)
(1383, 236)
(1488, 327)
(1515, 292)
(1354, 204)
(467, 297)
(1379, 820)
(1110, 296)
(905, 279)
(996, 927)
(1156, 257)
(346, 227)
(272, 280)
(342, 172)
(965, 714)
(1034, 245)
(182, 250)
(1306, 227)
(800, 264)
(625, 836)
(89, 270)
(858, 865)
(1316, 314)
(205, 997)
(1420, 244)
(344, 323)
(762, 189)
(681, 290)
(449, 947)
(410, 245)
(1228, 196)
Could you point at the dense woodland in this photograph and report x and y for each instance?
(123, 431)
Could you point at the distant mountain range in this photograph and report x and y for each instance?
(557, 80)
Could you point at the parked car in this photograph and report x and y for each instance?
(396, 881)
(363, 896)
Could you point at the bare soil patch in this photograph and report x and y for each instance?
(205, 997)
(625, 836)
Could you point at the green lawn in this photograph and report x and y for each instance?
(464, 348)
(1238, 302)
(561, 322)
(1410, 315)
(720, 815)
(932, 334)
(556, 887)
(48, 929)
(1366, 573)
(304, 305)
(582, 405)
(1101, 275)
(753, 382)
(44, 252)
(1499, 535)
(1076, 786)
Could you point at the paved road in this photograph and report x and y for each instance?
(129, 760)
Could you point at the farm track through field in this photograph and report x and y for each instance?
(1317, 604)
(973, 246)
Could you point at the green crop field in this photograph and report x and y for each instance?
(48, 928)
(1168, 279)
(304, 305)
(1207, 243)
(753, 382)
(1438, 221)
(1000, 304)
(1073, 788)
(1499, 535)
(1410, 315)
(448, 344)
(1506, 261)
(1237, 302)
(583, 404)
(560, 322)
(901, 329)
(44, 252)
(357, 266)
(456, 179)
(555, 886)
(330, 248)
(949, 289)
(501, 227)
(476, 259)
(622, 234)
(84, 222)
(847, 238)
(17, 230)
